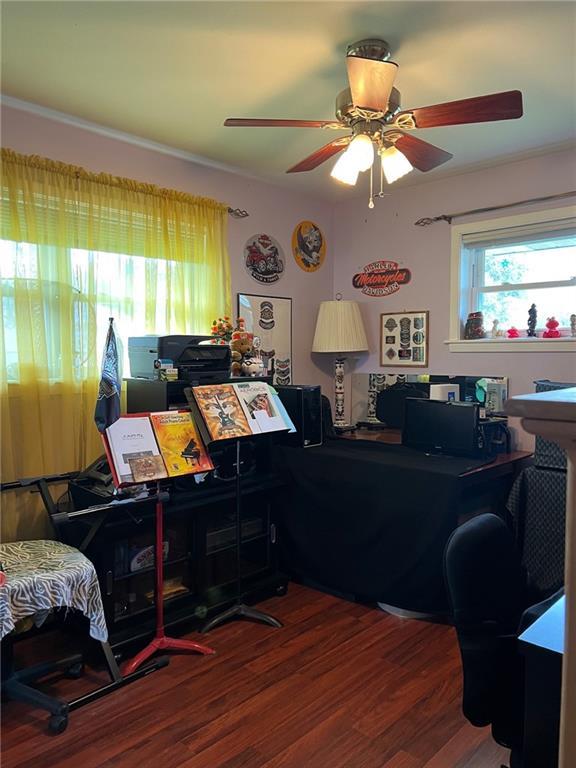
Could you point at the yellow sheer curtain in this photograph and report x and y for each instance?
(78, 248)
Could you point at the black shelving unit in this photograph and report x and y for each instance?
(201, 556)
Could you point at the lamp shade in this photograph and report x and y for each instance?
(339, 328)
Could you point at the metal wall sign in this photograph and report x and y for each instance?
(308, 246)
(264, 258)
(381, 278)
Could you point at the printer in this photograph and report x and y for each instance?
(196, 359)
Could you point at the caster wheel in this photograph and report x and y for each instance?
(75, 671)
(58, 723)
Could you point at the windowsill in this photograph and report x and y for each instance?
(563, 344)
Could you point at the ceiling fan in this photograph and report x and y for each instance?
(370, 110)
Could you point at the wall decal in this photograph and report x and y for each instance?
(308, 246)
(264, 258)
(381, 278)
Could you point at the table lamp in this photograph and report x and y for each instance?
(339, 329)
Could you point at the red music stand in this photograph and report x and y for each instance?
(160, 642)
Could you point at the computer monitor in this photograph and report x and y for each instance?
(437, 426)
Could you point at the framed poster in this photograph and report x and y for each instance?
(270, 318)
(404, 339)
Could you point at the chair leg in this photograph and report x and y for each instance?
(31, 674)
(17, 691)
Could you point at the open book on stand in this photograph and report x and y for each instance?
(243, 409)
(146, 447)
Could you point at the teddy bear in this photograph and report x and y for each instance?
(240, 346)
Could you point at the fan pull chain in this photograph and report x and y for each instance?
(371, 200)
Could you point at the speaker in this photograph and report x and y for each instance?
(304, 405)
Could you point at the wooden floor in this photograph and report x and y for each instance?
(340, 686)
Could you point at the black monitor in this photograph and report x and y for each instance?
(436, 426)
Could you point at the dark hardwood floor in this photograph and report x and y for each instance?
(339, 686)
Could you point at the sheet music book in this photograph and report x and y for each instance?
(259, 408)
(146, 447)
(180, 443)
(241, 409)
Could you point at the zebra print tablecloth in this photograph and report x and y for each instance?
(42, 575)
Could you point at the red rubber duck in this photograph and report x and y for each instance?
(552, 326)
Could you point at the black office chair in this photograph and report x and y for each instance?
(487, 588)
(492, 604)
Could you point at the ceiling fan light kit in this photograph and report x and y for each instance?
(345, 170)
(394, 164)
(370, 109)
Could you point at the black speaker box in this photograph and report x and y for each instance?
(304, 406)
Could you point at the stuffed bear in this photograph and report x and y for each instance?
(241, 347)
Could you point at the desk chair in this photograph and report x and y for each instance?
(487, 589)
(491, 605)
(37, 577)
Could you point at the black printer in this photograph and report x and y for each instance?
(197, 360)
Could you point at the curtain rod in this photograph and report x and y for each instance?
(237, 213)
(449, 216)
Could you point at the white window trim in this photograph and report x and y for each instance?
(458, 231)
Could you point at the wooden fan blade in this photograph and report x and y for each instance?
(370, 82)
(421, 154)
(249, 122)
(321, 155)
(481, 109)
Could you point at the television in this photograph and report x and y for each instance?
(439, 426)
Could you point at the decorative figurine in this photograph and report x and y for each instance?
(512, 333)
(474, 326)
(573, 325)
(532, 320)
(253, 365)
(552, 331)
(496, 333)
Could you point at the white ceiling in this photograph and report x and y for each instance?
(171, 72)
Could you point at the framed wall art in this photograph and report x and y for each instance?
(404, 339)
(270, 318)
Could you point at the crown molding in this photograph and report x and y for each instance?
(128, 138)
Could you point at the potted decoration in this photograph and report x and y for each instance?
(221, 330)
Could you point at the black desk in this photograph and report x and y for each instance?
(542, 645)
(370, 521)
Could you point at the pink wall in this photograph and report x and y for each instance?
(388, 232)
(355, 236)
(272, 210)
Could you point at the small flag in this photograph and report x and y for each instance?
(108, 403)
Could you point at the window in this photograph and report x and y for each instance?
(120, 286)
(503, 266)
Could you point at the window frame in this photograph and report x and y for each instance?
(463, 291)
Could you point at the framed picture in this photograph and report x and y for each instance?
(270, 318)
(404, 339)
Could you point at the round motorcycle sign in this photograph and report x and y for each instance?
(263, 258)
(308, 246)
